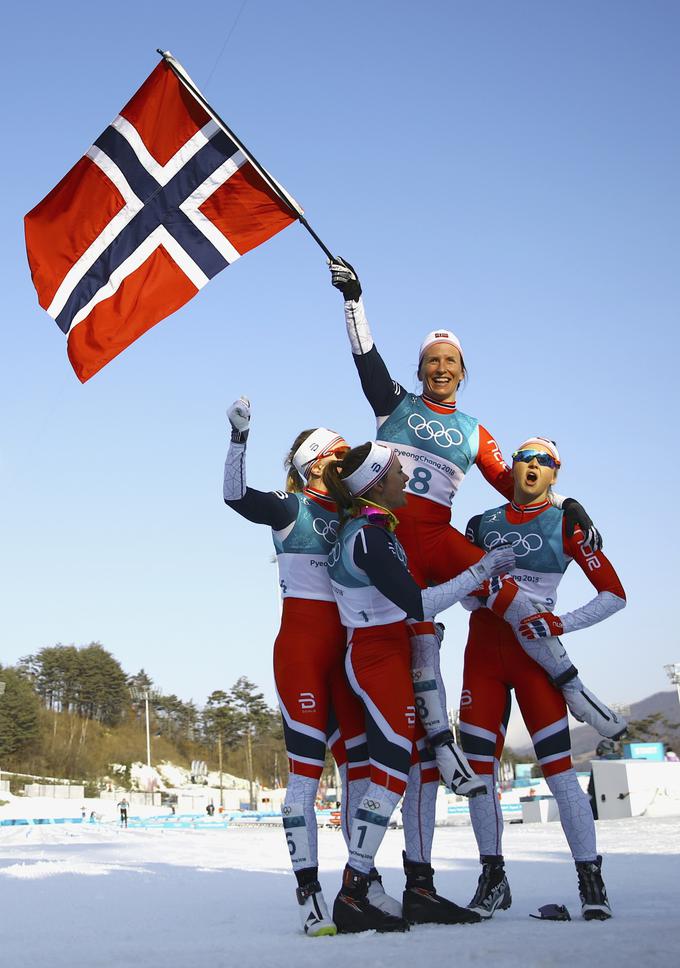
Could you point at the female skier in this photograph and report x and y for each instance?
(437, 446)
(309, 649)
(375, 594)
(495, 663)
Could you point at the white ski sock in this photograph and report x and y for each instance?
(369, 825)
(428, 684)
(487, 818)
(418, 814)
(352, 792)
(576, 815)
(299, 821)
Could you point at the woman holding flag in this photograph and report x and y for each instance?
(437, 445)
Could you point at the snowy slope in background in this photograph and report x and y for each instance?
(96, 897)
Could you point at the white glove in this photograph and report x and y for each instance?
(239, 418)
(498, 561)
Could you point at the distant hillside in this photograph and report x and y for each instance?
(584, 739)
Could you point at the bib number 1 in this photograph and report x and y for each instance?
(419, 482)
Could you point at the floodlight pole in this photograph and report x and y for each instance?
(3, 686)
(148, 732)
(673, 673)
(145, 694)
(219, 754)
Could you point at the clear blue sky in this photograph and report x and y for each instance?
(510, 170)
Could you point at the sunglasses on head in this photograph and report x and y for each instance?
(545, 460)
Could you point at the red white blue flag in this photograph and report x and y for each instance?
(162, 201)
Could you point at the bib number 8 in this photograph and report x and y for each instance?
(423, 711)
(419, 481)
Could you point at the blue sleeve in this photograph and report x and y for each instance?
(278, 509)
(375, 554)
(382, 392)
(472, 530)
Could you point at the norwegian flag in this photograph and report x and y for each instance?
(162, 201)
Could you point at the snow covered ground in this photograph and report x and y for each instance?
(97, 896)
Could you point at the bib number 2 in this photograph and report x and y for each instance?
(419, 482)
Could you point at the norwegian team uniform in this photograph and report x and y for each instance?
(495, 663)
(375, 595)
(309, 650)
(317, 705)
(366, 559)
(437, 445)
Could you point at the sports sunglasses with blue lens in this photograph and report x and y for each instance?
(545, 460)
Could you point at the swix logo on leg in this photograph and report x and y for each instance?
(307, 701)
(411, 715)
(465, 698)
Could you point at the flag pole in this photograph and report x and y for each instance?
(278, 189)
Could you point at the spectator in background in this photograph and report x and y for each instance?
(123, 806)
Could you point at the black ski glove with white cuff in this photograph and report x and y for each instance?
(344, 278)
(575, 514)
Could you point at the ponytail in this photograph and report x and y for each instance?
(334, 475)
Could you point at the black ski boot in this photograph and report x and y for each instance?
(353, 912)
(422, 905)
(591, 889)
(493, 890)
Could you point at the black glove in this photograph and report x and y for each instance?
(344, 278)
(576, 514)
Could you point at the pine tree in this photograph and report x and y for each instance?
(19, 717)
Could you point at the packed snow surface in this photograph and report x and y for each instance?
(97, 896)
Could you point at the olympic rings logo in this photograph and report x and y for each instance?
(435, 430)
(334, 555)
(328, 530)
(522, 545)
(371, 804)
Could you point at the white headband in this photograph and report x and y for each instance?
(373, 469)
(544, 442)
(438, 336)
(319, 444)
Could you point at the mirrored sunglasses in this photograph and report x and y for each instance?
(545, 460)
